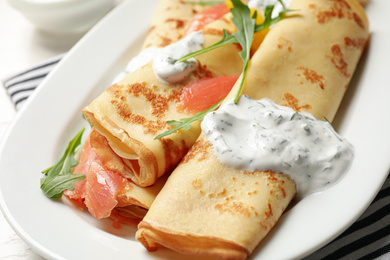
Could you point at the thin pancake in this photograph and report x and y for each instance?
(307, 60)
(208, 208)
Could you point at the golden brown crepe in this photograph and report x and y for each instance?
(207, 208)
(305, 62)
(132, 112)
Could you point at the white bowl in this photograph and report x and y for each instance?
(63, 16)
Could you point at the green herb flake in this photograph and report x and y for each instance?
(58, 177)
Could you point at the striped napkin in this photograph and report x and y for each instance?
(21, 85)
(367, 238)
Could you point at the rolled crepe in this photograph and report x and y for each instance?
(104, 191)
(305, 62)
(132, 195)
(207, 208)
(128, 204)
(132, 112)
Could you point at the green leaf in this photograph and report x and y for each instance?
(226, 39)
(58, 177)
(60, 183)
(186, 122)
(268, 20)
(245, 25)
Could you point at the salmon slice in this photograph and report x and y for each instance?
(87, 156)
(200, 95)
(101, 190)
(206, 16)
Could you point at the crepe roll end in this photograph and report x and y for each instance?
(139, 164)
(152, 239)
(130, 215)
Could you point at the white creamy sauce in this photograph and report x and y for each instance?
(261, 135)
(261, 5)
(164, 59)
(165, 66)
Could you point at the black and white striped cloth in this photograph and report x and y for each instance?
(368, 238)
(21, 85)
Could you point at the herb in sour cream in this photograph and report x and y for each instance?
(261, 135)
(165, 66)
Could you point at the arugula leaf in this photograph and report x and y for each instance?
(246, 27)
(186, 122)
(244, 36)
(268, 20)
(58, 177)
(226, 39)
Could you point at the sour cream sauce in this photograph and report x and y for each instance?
(164, 59)
(165, 66)
(261, 135)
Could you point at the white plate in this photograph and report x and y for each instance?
(52, 117)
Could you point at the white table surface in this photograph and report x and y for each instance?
(21, 46)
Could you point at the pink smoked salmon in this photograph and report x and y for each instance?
(100, 189)
(205, 17)
(86, 158)
(200, 95)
